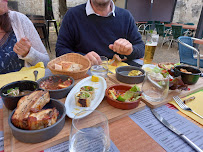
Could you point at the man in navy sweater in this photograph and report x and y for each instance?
(99, 28)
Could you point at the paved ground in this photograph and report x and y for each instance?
(161, 54)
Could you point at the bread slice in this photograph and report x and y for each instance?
(58, 66)
(28, 104)
(42, 119)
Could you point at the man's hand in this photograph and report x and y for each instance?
(22, 47)
(94, 58)
(122, 46)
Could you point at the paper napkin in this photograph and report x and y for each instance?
(196, 105)
(26, 73)
(113, 68)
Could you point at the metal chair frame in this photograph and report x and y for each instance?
(192, 48)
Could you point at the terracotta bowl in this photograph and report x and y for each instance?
(119, 104)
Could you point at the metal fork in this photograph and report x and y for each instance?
(183, 106)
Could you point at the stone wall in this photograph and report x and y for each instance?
(186, 10)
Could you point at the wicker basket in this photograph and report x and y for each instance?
(71, 57)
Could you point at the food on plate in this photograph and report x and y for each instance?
(177, 83)
(167, 65)
(116, 60)
(95, 78)
(42, 119)
(51, 84)
(83, 99)
(16, 92)
(174, 83)
(131, 95)
(185, 71)
(135, 73)
(68, 66)
(28, 104)
(89, 89)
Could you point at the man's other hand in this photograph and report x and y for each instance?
(94, 58)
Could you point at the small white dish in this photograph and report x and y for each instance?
(72, 109)
(151, 66)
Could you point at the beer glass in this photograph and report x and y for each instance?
(150, 47)
(90, 133)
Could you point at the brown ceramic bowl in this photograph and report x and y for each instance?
(119, 104)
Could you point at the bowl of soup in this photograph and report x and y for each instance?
(12, 92)
(58, 85)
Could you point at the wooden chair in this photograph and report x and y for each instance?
(40, 25)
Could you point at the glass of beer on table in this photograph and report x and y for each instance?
(150, 47)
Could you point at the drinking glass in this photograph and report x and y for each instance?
(155, 88)
(90, 133)
(102, 69)
(150, 47)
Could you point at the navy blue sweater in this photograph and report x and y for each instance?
(81, 33)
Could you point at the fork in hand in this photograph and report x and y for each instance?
(183, 106)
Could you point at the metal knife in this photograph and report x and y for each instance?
(172, 128)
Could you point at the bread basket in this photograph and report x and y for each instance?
(71, 57)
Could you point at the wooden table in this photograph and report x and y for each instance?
(124, 132)
(190, 27)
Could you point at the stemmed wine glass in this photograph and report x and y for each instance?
(90, 133)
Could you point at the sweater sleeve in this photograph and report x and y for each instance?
(135, 38)
(66, 38)
(37, 53)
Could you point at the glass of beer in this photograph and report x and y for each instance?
(150, 47)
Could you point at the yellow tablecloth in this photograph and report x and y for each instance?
(113, 68)
(196, 105)
(26, 73)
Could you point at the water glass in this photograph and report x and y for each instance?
(102, 69)
(150, 47)
(155, 88)
(90, 133)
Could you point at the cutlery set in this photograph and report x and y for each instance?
(173, 129)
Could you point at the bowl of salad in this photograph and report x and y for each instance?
(123, 96)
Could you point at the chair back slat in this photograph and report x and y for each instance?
(177, 31)
(160, 28)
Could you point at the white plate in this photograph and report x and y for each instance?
(100, 87)
(151, 66)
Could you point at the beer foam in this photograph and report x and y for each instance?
(151, 43)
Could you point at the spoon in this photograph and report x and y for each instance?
(35, 73)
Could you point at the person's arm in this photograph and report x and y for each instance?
(135, 38)
(66, 38)
(37, 52)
